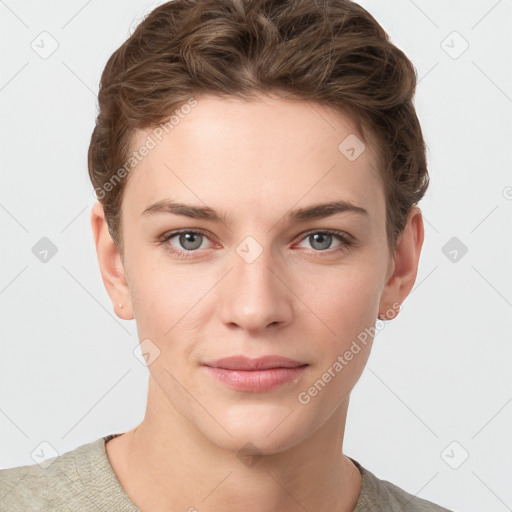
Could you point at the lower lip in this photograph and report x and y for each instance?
(256, 381)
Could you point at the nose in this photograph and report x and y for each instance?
(255, 295)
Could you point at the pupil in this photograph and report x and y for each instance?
(190, 238)
(322, 237)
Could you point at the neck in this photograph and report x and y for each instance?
(166, 464)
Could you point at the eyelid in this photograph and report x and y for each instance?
(335, 232)
(342, 234)
(346, 240)
(171, 234)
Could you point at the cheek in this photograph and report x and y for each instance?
(343, 299)
(343, 328)
(168, 300)
(153, 281)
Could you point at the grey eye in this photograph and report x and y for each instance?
(320, 241)
(190, 240)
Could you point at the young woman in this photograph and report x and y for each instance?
(258, 166)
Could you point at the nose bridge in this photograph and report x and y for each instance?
(254, 297)
(252, 268)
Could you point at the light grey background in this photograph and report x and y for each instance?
(439, 373)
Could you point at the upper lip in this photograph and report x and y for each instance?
(259, 363)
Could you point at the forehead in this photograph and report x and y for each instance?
(261, 154)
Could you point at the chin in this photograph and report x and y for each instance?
(265, 435)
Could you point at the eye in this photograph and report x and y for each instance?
(184, 242)
(189, 240)
(322, 240)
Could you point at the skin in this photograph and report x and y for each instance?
(253, 161)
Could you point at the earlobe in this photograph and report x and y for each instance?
(405, 262)
(110, 263)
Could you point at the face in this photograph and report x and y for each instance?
(268, 276)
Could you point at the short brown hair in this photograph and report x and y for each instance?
(328, 51)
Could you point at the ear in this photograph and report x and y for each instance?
(111, 264)
(403, 265)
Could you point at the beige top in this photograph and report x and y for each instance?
(83, 480)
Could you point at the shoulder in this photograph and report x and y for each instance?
(52, 485)
(381, 495)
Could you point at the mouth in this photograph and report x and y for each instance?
(255, 375)
(259, 363)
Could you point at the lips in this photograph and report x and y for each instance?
(259, 363)
(255, 375)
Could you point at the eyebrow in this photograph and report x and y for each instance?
(316, 211)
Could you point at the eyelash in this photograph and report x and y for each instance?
(346, 242)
